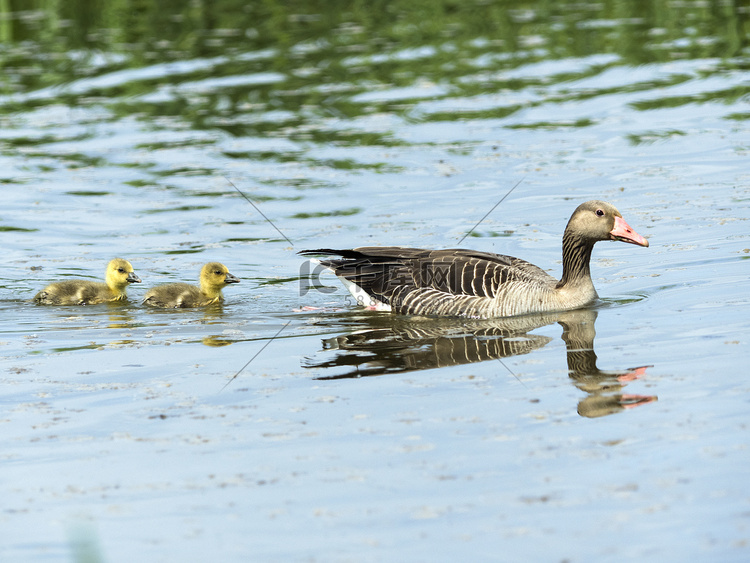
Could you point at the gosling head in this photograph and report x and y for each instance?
(214, 276)
(599, 220)
(119, 274)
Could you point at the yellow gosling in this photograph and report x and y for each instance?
(214, 276)
(85, 292)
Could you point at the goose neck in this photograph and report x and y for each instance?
(576, 258)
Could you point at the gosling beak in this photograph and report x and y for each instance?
(231, 279)
(623, 232)
(132, 278)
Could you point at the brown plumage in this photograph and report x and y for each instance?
(468, 283)
(85, 292)
(213, 278)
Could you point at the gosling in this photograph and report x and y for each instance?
(214, 276)
(85, 292)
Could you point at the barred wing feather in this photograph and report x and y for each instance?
(434, 282)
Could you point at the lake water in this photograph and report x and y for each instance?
(289, 425)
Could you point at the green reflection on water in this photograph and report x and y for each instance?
(336, 213)
(727, 96)
(8, 228)
(336, 42)
(320, 71)
(653, 136)
(179, 208)
(584, 122)
(87, 193)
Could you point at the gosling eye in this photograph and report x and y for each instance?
(600, 213)
(121, 270)
(217, 272)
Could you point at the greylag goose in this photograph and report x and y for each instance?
(468, 283)
(214, 276)
(86, 292)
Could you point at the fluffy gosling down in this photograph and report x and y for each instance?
(85, 292)
(214, 276)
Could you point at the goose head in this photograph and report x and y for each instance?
(214, 276)
(595, 220)
(119, 274)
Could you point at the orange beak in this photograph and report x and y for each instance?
(623, 232)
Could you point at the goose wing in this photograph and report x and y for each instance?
(473, 273)
(384, 271)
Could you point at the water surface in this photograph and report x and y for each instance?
(616, 433)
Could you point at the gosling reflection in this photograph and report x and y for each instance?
(119, 315)
(427, 344)
(216, 341)
(166, 322)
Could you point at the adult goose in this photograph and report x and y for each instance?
(214, 277)
(468, 283)
(86, 292)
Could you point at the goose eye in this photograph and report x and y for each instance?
(599, 213)
(217, 272)
(121, 270)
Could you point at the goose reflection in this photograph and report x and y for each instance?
(603, 387)
(409, 345)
